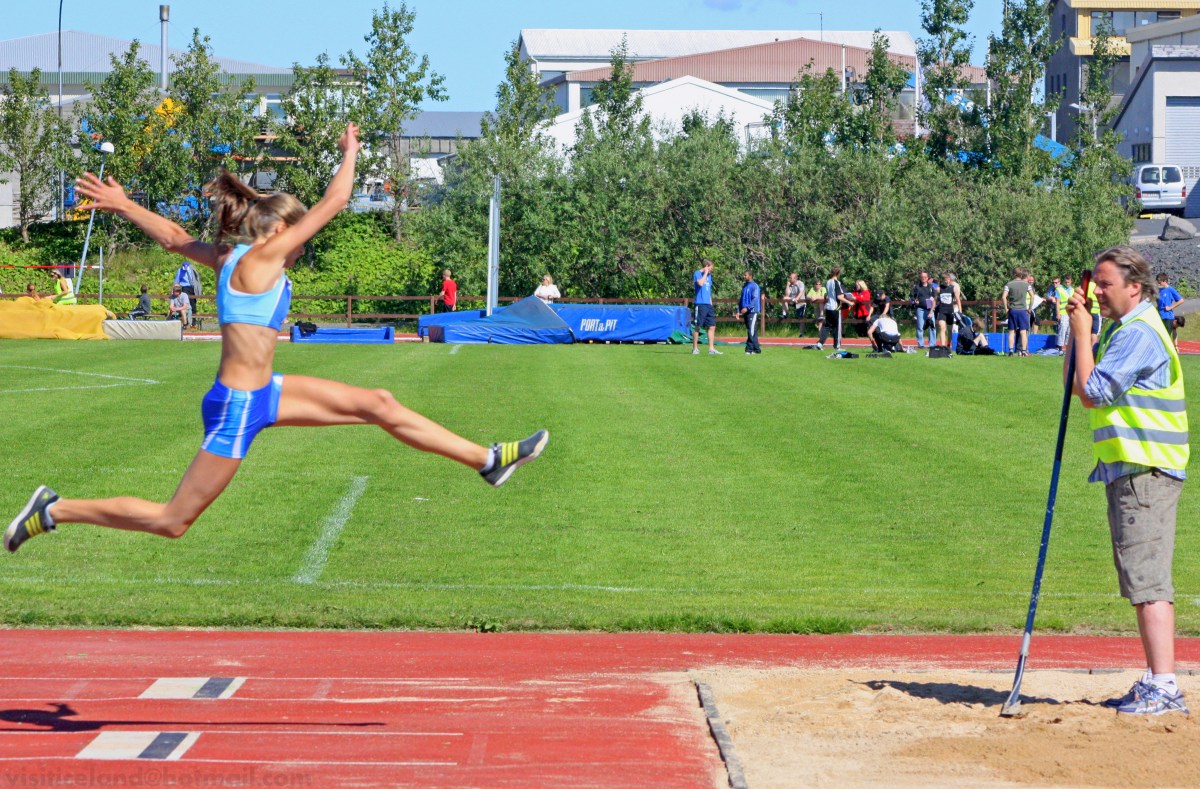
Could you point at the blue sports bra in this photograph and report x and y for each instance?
(256, 309)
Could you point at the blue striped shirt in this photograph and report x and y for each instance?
(1135, 357)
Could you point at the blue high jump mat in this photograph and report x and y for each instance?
(527, 322)
(624, 322)
(383, 335)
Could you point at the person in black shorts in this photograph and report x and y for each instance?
(949, 302)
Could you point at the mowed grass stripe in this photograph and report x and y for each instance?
(778, 492)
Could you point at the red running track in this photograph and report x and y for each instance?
(341, 709)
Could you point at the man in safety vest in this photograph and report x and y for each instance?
(1132, 384)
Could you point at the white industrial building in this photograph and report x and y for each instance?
(1159, 116)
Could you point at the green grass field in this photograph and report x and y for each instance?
(784, 493)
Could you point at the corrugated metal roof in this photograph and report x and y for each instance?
(648, 44)
(88, 52)
(775, 63)
(445, 125)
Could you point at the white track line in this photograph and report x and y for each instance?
(125, 380)
(318, 554)
(454, 350)
(434, 587)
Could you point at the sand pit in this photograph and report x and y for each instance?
(870, 728)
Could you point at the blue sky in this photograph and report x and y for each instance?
(465, 39)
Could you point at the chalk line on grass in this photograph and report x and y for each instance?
(428, 586)
(318, 554)
(123, 380)
(454, 350)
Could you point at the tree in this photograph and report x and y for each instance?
(210, 120)
(942, 56)
(123, 112)
(815, 115)
(394, 83)
(879, 96)
(315, 115)
(511, 138)
(1016, 64)
(34, 143)
(1096, 94)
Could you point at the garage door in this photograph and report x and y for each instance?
(1183, 144)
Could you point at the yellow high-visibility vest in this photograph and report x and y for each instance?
(63, 292)
(1145, 426)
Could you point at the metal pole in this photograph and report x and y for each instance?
(164, 15)
(87, 239)
(62, 176)
(493, 283)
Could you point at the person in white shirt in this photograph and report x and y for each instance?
(547, 292)
(884, 334)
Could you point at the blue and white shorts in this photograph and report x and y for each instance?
(233, 417)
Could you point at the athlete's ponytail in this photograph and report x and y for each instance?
(231, 201)
(242, 215)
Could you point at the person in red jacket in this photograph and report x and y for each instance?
(449, 294)
(862, 307)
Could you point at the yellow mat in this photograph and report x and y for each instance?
(26, 319)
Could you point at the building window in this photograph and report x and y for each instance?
(1167, 16)
(1144, 18)
(1141, 153)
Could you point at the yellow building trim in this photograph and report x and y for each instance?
(1133, 5)
(1082, 47)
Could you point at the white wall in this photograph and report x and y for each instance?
(667, 103)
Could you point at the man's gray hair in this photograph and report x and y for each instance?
(1133, 268)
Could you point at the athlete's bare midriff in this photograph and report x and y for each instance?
(247, 355)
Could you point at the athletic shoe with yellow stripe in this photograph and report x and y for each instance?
(32, 520)
(511, 455)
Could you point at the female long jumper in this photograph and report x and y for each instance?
(253, 295)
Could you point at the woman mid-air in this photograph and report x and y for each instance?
(253, 295)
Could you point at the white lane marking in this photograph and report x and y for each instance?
(125, 381)
(454, 350)
(187, 688)
(122, 745)
(433, 587)
(318, 554)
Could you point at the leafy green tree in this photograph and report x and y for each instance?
(1096, 105)
(315, 114)
(943, 55)
(122, 112)
(879, 96)
(1016, 64)
(210, 117)
(35, 144)
(815, 114)
(513, 133)
(394, 81)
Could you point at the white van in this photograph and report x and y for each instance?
(1160, 187)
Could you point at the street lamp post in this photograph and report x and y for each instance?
(105, 149)
(820, 20)
(62, 176)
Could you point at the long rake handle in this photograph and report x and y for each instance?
(1013, 702)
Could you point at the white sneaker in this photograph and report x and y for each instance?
(714, 352)
(695, 352)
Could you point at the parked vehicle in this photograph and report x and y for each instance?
(1160, 187)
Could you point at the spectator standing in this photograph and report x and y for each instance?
(1016, 302)
(835, 299)
(1058, 295)
(793, 296)
(922, 297)
(881, 303)
(547, 291)
(1132, 384)
(1095, 309)
(1034, 301)
(187, 278)
(949, 304)
(64, 292)
(143, 306)
(181, 305)
(1168, 300)
(749, 305)
(449, 292)
(862, 307)
(703, 316)
(816, 294)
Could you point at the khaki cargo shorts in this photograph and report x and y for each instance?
(1141, 520)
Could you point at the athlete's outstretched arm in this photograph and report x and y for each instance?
(109, 196)
(337, 195)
